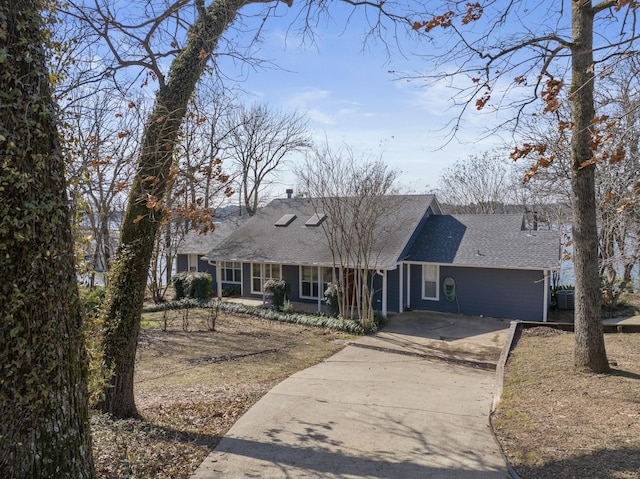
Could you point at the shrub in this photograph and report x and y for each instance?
(192, 285)
(92, 299)
(231, 290)
(279, 291)
(287, 308)
(332, 300)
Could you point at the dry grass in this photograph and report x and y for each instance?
(554, 422)
(191, 386)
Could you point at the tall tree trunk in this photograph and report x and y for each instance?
(128, 275)
(44, 423)
(590, 351)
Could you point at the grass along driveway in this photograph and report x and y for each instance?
(191, 386)
(556, 423)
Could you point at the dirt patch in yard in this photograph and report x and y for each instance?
(191, 386)
(554, 422)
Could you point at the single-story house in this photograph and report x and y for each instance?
(488, 265)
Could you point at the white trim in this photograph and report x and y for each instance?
(219, 278)
(409, 286)
(320, 293)
(545, 301)
(457, 265)
(401, 288)
(437, 281)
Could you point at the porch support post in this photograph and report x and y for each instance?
(384, 293)
(320, 293)
(545, 308)
(264, 292)
(401, 294)
(219, 279)
(408, 286)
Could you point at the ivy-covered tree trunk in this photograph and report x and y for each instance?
(44, 423)
(142, 221)
(590, 351)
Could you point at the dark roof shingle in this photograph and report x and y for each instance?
(496, 241)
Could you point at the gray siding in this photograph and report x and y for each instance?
(246, 280)
(182, 263)
(291, 274)
(513, 294)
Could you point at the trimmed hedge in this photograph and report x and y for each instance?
(192, 285)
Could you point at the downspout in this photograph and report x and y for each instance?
(545, 309)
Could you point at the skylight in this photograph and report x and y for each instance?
(285, 220)
(315, 220)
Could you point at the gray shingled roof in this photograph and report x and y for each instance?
(259, 240)
(496, 241)
(194, 243)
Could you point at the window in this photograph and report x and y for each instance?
(430, 279)
(192, 260)
(312, 286)
(285, 220)
(231, 272)
(315, 220)
(261, 273)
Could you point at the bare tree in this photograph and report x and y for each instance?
(481, 184)
(102, 137)
(354, 197)
(616, 98)
(618, 217)
(543, 44)
(259, 142)
(153, 34)
(146, 205)
(201, 185)
(44, 418)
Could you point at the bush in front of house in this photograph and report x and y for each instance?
(332, 300)
(231, 291)
(279, 291)
(337, 324)
(192, 285)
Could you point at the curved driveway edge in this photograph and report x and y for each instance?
(368, 413)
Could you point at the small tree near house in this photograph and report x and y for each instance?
(355, 195)
(279, 291)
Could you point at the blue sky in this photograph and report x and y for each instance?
(349, 96)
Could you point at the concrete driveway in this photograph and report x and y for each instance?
(384, 407)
